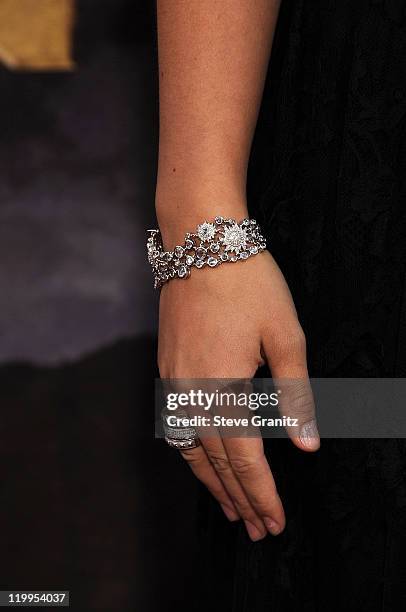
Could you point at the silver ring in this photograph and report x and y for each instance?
(181, 438)
(180, 433)
(183, 444)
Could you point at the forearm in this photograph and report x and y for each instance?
(213, 57)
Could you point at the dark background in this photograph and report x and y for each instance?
(89, 501)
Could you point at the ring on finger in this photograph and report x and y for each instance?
(181, 438)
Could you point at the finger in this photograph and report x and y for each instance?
(204, 471)
(286, 356)
(248, 462)
(218, 457)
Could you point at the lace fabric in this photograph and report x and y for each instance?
(327, 181)
(328, 176)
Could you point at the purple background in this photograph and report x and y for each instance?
(77, 160)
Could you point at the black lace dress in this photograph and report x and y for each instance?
(328, 181)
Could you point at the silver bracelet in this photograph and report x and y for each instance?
(214, 243)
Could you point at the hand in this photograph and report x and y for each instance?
(225, 323)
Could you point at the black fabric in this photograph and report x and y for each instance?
(87, 501)
(328, 182)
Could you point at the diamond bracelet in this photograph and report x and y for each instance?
(214, 243)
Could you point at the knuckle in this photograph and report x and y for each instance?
(302, 406)
(243, 466)
(191, 456)
(292, 342)
(220, 462)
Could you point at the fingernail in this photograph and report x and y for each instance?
(309, 435)
(254, 533)
(272, 526)
(230, 513)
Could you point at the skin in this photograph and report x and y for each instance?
(213, 57)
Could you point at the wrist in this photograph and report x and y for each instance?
(213, 243)
(183, 212)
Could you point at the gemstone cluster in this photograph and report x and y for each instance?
(213, 243)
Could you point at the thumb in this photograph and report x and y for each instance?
(286, 357)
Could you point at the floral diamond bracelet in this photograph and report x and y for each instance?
(214, 243)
